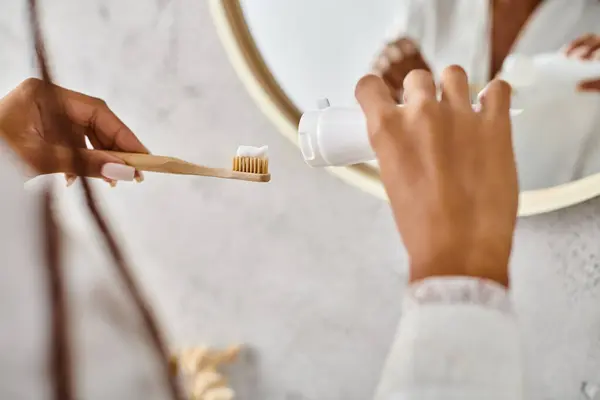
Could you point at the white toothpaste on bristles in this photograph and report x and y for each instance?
(251, 151)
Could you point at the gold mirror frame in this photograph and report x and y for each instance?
(275, 104)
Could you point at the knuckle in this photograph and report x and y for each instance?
(101, 103)
(375, 137)
(501, 86)
(416, 76)
(497, 89)
(29, 85)
(387, 117)
(364, 83)
(379, 139)
(383, 124)
(454, 71)
(424, 106)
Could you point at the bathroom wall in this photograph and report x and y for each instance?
(307, 271)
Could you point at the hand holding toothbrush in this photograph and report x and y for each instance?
(586, 47)
(22, 127)
(449, 172)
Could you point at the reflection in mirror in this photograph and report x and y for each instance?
(548, 51)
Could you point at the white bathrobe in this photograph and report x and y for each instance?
(455, 342)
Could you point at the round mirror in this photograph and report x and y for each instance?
(291, 54)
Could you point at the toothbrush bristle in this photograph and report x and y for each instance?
(251, 165)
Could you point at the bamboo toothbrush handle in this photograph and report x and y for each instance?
(167, 165)
(172, 165)
(149, 162)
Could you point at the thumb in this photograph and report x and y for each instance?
(97, 164)
(103, 165)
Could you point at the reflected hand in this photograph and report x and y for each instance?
(21, 127)
(395, 62)
(586, 47)
(449, 172)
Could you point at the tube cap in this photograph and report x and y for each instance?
(308, 133)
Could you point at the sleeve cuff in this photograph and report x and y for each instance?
(457, 339)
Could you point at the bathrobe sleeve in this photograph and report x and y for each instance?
(457, 339)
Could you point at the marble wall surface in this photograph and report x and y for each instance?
(307, 271)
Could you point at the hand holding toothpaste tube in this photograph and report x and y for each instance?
(449, 172)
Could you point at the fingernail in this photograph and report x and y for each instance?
(139, 176)
(394, 53)
(112, 184)
(118, 172)
(71, 180)
(383, 64)
(408, 48)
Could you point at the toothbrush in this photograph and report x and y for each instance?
(250, 164)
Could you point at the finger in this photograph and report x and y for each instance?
(93, 113)
(495, 98)
(97, 145)
(407, 46)
(579, 42)
(419, 85)
(381, 65)
(590, 86)
(585, 51)
(393, 53)
(455, 87)
(399, 50)
(78, 141)
(374, 96)
(403, 56)
(381, 68)
(593, 50)
(94, 141)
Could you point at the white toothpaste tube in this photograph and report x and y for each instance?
(337, 136)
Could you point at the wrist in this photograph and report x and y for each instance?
(493, 268)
